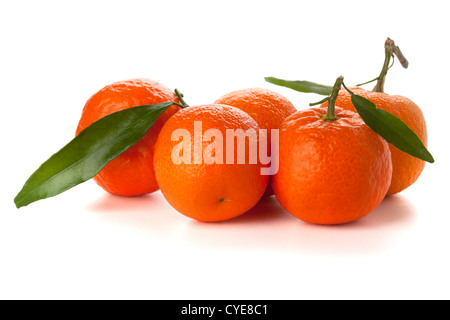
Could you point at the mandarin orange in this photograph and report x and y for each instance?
(196, 175)
(131, 173)
(268, 108)
(333, 168)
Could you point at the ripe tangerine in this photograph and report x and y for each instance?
(205, 190)
(268, 108)
(131, 173)
(331, 172)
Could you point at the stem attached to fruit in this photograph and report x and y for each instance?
(330, 116)
(180, 97)
(390, 50)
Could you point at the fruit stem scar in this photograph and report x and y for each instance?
(390, 49)
(330, 116)
(180, 97)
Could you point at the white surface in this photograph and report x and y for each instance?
(88, 244)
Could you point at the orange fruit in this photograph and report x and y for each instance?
(202, 189)
(331, 172)
(406, 168)
(131, 173)
(268, 108)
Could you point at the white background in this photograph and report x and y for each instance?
(86, 244)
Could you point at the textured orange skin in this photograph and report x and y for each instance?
(131, 173)
(331, 172)
(268, 108)
(406, 168)
(208, 192)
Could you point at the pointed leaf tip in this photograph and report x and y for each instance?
(391, 128)
(89, 152)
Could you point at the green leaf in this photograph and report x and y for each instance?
(89, 152)
(391, 128)
(302, 86)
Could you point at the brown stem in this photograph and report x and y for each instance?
(390, 49)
